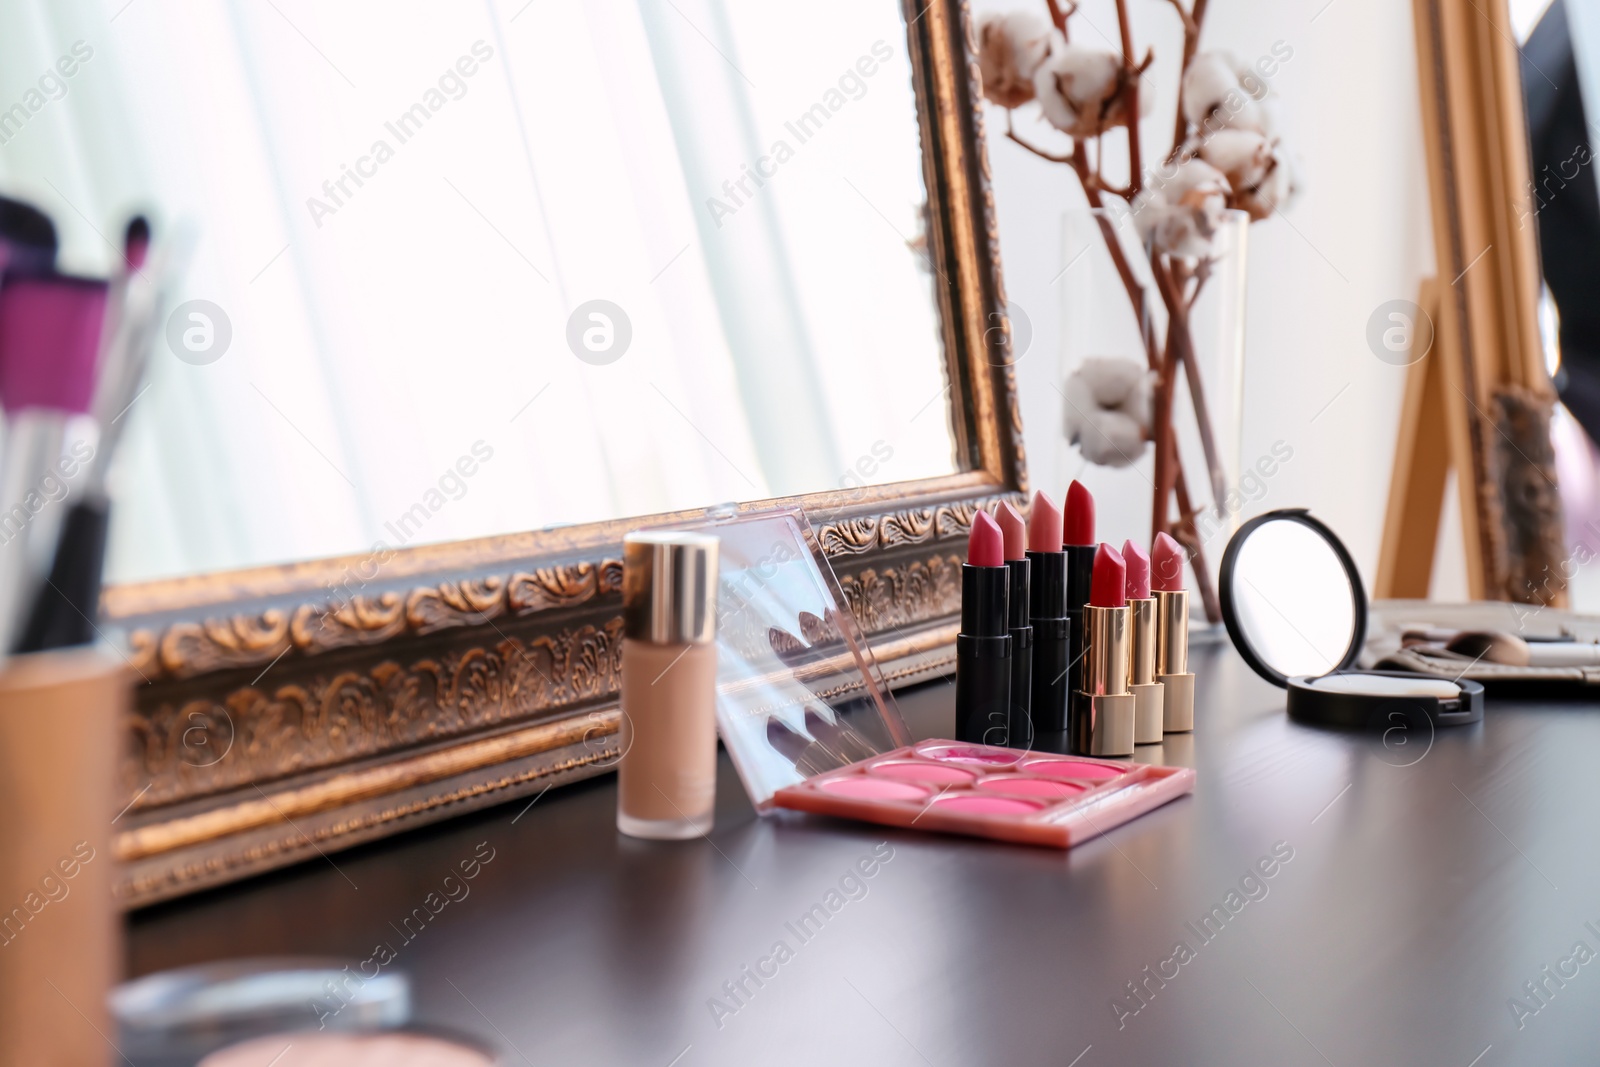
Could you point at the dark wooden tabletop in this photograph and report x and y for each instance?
(1420, 890)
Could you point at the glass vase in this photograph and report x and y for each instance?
(1112, 309)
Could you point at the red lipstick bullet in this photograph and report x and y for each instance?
(1167, 560)
(1103, 723)
(983, 647)
(1078, 523)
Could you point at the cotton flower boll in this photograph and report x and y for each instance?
(1213, 98)
(1011, 46)
(1206, 84)
(1274, 192)
(1250, 81)
(1108, 410)
(1243, 156)
(1083, 91)
(1182, 214)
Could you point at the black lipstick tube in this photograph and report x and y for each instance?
(1019, 733)
(1080, 577)
(983, 657)
(1052, 650)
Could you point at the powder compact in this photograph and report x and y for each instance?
(1296, 610)
(811, 726)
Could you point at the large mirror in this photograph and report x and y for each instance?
(471, 290)
(466, 270)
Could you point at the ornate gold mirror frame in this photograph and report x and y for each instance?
(288, 712)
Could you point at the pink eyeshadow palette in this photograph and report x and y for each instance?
(971, 755)
(874, 788)
(1018, 785)
(924, 771)
(1059, 768)
(985, 791)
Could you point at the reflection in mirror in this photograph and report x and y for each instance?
(1293, 599)
(462, 270)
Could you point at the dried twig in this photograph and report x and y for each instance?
(1178, 310)
(1059, 16)
(1135, 161)
(1011, 133)
(1166, 452)
(1189, 28)
(1191, 44)
(1190, 537)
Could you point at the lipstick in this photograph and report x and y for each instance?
(1148, 720)
(983, 647)
(1172, 634)
(1052, 630)
(1103, 725)
(1079, 545)
(1018, 573)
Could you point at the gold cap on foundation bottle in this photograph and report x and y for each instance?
(669, 587)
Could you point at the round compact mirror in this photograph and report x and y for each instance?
(1292, 598)
(1296, 610)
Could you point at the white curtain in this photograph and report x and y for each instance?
(400, 312)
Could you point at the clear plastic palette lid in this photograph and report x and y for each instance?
(798, 690)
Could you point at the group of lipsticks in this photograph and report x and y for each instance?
(1069, 646)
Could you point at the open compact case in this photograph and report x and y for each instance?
(1296, 610)
(810, 725)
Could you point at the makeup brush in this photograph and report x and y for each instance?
(1509, 650)
(64, 609)
(50, 330)
(1430, 635)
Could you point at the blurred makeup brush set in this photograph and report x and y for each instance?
(73, 357)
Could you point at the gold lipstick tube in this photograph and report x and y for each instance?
(1149, 721)
(1172, 660)
(1105, 695)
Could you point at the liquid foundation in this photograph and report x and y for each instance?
(667, 779)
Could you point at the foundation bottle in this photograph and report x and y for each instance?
(667, 778)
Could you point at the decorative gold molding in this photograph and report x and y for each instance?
(251, 735)
(223, 865)
(289, 804)
(187, 649)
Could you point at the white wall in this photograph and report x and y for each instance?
(1359, 236)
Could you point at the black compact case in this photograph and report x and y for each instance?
(1382, 711)
(1284, 576)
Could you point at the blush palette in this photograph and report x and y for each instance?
(984, 791)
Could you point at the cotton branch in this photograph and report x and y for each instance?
(1059, 16)
(1135, 161)
(1011, 134)
(1191, 44)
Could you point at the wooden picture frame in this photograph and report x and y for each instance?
(289, 712)
(1480, 401)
